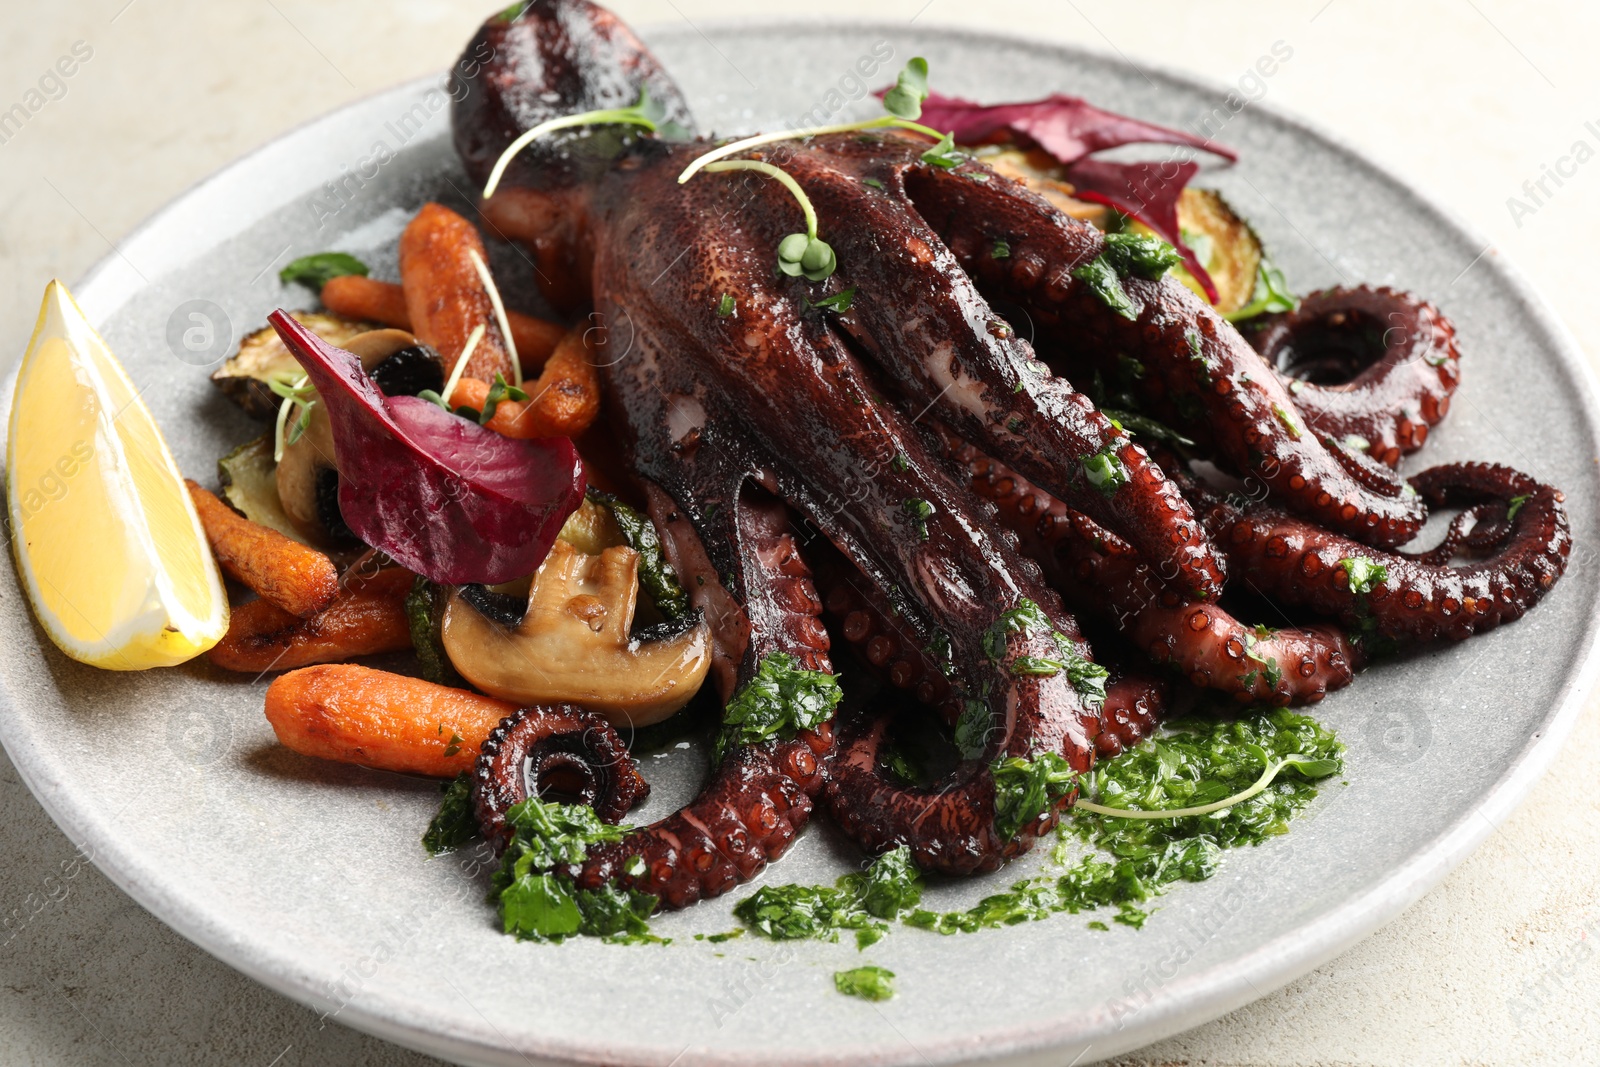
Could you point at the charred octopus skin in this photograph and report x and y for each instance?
(1371, 367)
(1189, 365)
(888, 426)
(550, 60)
(737, 419)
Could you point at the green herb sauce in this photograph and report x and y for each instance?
(538, 904)
(456, 824)
(782, 699)
(868, 983)
(1191, 763)
(863, 901)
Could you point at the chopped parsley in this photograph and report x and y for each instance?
(972, 730)
(863, 901)
(725, 306)
(920, 511)
(839, 301)
(1132, 253)
(944, 154)
(868, 983)
(316, 270)
(891, 884)
(1288, 421)
(1515, 505)
(875, 183)
(1026, 789)
(1364, 573)
(1086, 676)
(1193, 762)
(1135, 424)
(899, 463)
(782, 699)
(1101, 278)
(939, 650)
(1002, 249)
(1105, 470)
(1269, 664)
(1126, 254)
(539, 904)
(456, 823)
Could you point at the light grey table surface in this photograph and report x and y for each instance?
(1470, 99)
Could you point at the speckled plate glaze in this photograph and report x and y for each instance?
(309, 876)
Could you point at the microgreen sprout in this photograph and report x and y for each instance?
(296, 391)
(647, 113)
(443, 399)
(910, 90)
(807, 254)
(497, 392)
(798, 253)
(1309, 766)
(500, 316)
(839, 301)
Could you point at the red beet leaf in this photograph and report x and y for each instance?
(1147, 191)
(441, 495)
(1070, 128)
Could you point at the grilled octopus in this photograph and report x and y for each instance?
(898, 461)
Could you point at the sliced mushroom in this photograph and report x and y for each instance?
(308, 478)
(573, 641)
(262, 359)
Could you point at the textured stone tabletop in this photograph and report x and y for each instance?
(1491, 107)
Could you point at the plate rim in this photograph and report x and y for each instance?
(1181, 1003)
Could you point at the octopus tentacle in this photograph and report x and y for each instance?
(1371, 365)
(950, 826)
(775, 396)
(1188, 364)
(548, 60)
(1297, 563)
(760, 796)
(559, 748)
(1101, 576)
(939, 342)
(1134, 705)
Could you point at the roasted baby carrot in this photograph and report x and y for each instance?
(363, 621)
(446, 298)
(298, 579)
(562, 401)
(358, 715)
(354, 296)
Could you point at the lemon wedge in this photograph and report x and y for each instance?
(110, 550)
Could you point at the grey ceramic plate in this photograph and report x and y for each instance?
(309, 876)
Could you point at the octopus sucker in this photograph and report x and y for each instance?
(1101, 576)
(866, 450)
(1196, 371)
(1406, 599)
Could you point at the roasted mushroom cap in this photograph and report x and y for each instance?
(262, 358)
(308, 480)
(573, 642)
